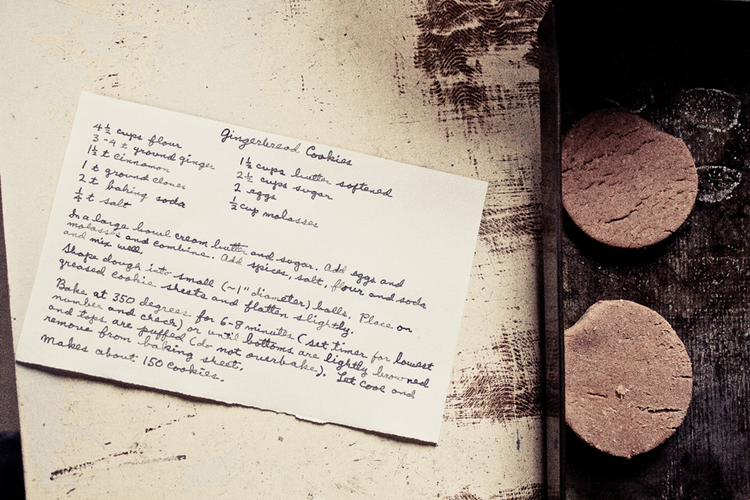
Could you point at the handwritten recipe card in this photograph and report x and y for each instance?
(221, 262)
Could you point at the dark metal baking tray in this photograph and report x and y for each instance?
(686, 68)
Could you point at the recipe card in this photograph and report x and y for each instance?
(212, 260)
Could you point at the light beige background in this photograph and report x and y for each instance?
(376, 77)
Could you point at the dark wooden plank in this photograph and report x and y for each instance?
(648, 57)
(552, 348)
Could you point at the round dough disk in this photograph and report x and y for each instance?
(628, 378)
(624, 183)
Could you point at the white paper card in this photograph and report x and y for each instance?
(221, 262)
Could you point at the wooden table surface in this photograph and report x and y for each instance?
(451, 86)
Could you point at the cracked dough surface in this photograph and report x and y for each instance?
(625, 183)
(628, 378)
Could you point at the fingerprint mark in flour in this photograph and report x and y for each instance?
(459, 39)
(464, 494)
(509, 229)
(502, 391)
(716, 183)
(531, 492)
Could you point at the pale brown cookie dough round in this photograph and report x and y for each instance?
(628, 378)
(624, 183)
